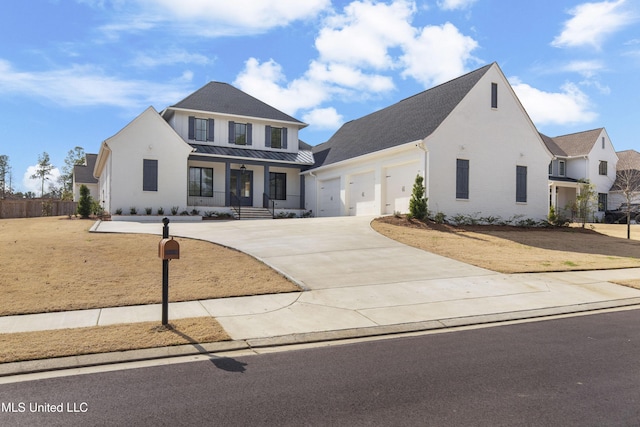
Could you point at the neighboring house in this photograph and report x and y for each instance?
(83, 174)
(217, 148)
(470, 139)
(585, 155)
(627, 177)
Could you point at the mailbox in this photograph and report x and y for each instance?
(169, 249)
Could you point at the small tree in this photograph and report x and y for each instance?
(43, 170)
(418, 202)
(586, 200)
(85, 202)
(628, 181)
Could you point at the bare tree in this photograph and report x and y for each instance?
(627, 182)
(5, 170)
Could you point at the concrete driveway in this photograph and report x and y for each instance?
(356, 278)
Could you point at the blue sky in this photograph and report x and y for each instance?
(75, 72)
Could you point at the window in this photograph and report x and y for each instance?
(201, 182)
(521, 184)
(200, 129)
(462, 179)
(494, 95)
(603, 142)
(240, 133)
(550, 168)
(602, 167)
(561, 168)
(602, 202)
(149, 175)
(278, 186)
(275, 137)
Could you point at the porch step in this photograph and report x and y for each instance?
(252, 213)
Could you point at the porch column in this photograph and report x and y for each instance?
(227, 183)
(302, 191)
(266, 185)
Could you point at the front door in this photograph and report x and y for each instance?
(241, 184)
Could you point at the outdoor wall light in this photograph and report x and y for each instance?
(242, 169)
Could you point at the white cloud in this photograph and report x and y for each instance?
(438, 54)
(570, 106)
(362, 35)
(169, 57)
(35, 184)
(455, 4)
(324, 118)
(86, 85)
(592, 23)
(212, 18)
(347, 76)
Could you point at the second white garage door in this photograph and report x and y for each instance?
(329, 199)
(399, 186)
(362, 198)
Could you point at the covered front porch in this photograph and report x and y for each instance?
(223, 184)
(563, 193)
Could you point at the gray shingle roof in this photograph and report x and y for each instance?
(411, 119)
(575, 144)
(83, 174)
(628, 159)
(302, 157)
(223, 98)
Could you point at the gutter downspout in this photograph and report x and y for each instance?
(420, 145)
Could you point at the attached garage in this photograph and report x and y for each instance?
(398, 186)
(329, 198)
(362, 197)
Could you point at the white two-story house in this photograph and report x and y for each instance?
(217, 148)
(579, 156)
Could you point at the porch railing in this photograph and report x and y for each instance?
(218, 200)
(267, 203)
(236, 204)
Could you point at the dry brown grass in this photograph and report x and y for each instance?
(99, 339)
(517, 250)
(55, 264)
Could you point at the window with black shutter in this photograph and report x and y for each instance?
(462, 179)
(521, 184)
(149, 175)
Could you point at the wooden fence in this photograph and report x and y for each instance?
(28, 208)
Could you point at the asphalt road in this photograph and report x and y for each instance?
(580, 371)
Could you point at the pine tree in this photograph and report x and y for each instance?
(84, 204)
(418, 202)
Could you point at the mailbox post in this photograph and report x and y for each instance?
(168, 249)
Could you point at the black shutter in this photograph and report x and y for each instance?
(210, 130)
(149, 175)
(232, 132)
(249, 133)
(192, 127)
(521, 184)
(267, 136)
(284, 138)
(462, 179)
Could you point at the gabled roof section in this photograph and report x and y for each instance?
(217, 97)
(411, 119)
(83, 174)
(628, 160)
(573, 145)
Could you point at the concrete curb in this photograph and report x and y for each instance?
(70, 362)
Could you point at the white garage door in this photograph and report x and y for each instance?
(330, 202)
(399, 186)
(362, 194)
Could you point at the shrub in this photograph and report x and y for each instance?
(84, 204)
(210, 214)
(119, 211)
(160, 211)
(148, 211)
(184, 213)
(440, 218)
(195, 212)
(418, 202)
(174, 210)
(133, 210)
